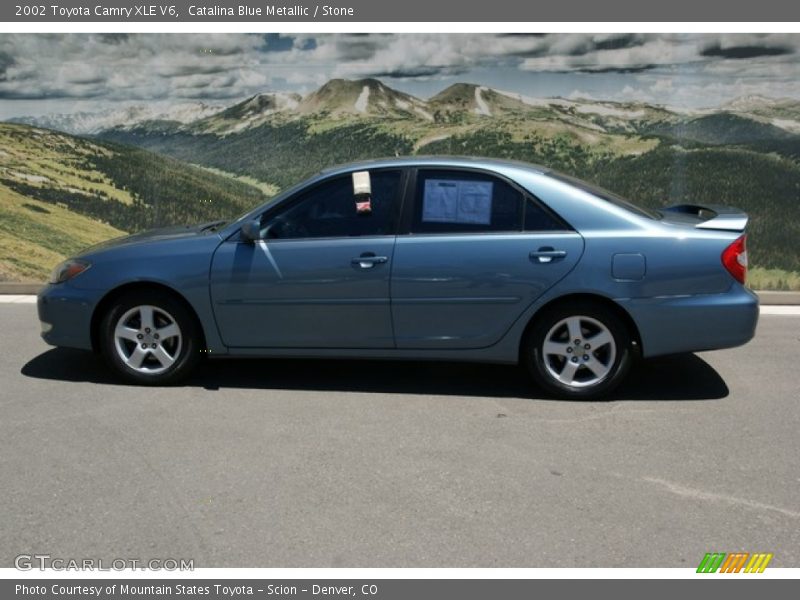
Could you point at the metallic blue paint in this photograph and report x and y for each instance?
(303, 293)
(466, 291)
(456, 297)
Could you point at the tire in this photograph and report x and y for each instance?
(578, 350)
(150, 338)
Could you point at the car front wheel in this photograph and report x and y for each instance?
(578, 350)
(150, 338)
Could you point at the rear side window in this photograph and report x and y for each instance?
(470, 202)
(465, 202)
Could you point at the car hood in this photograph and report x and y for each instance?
(156, 235)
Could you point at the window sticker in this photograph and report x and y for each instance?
(362, 189)
(456, 201)
(364, 206)
(361, 183)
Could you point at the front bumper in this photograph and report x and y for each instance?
(677, 324)
(65, 314)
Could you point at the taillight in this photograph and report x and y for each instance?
(734, 258)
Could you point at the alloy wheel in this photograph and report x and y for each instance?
(148, 339)
(579, 351)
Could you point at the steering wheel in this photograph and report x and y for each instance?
(280, 227)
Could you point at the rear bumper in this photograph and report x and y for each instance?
(65, 314)
(672, 325)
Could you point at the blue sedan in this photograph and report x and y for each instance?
(417, 258)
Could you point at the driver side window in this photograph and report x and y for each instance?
(332, 209)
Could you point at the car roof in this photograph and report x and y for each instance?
(434, 161)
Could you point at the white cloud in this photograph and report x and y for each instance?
(94, 68)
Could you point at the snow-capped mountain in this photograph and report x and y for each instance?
(88, 123)
(362, 97)
(460, 103)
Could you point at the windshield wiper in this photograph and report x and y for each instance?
(213, 226)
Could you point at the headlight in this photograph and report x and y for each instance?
(68, 269)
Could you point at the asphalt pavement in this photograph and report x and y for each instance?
(301, 463)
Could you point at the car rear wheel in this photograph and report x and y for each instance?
(150, 338)
(578, 350)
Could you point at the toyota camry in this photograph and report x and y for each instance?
(418, 258)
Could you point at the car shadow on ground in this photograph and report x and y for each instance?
(680, 377)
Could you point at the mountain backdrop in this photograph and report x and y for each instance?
(220, 160)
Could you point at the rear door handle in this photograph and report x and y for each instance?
(368, 260)
(547, 254)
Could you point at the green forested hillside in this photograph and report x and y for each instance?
(723, 128)
(282, 155)
(60, 193)
(766, 186)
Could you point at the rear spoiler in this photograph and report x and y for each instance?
(713, 216)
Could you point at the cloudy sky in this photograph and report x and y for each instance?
(46, 73)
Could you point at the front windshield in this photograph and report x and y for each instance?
(604, 194)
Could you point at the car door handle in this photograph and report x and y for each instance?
(368, 260)
(546, 254)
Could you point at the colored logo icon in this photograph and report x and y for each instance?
(735, 562)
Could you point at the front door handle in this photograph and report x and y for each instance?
(547, 254)
(368, 260)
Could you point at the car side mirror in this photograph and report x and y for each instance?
(251, 230)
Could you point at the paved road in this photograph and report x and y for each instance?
(311, 463)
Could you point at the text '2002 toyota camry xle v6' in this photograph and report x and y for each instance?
(424, 258)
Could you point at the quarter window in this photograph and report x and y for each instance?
(537, 218)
